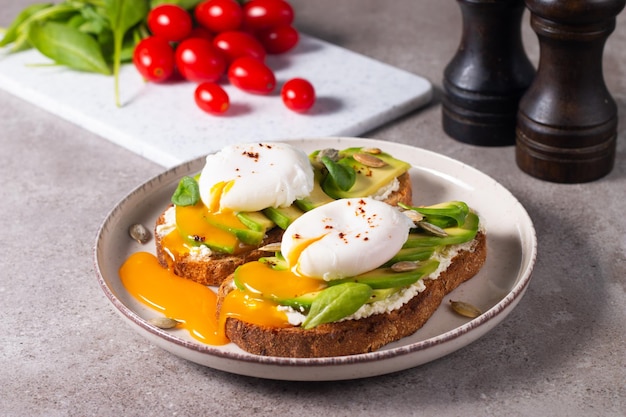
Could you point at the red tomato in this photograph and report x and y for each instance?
(298, 94)
(154, 59)
(197, 60)
(211, 98)
(263, 14)
(219, 15)
(278, 39)
(235, 44)
(251, 75)
(169, 21)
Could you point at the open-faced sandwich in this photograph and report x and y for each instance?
(313, 255)
(247, 194)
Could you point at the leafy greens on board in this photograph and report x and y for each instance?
(85, 35)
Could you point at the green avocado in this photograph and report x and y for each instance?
(383, 277)
(317, 197)
(241, 232)
(455, 235)
(283, 216)
(368, 179)
(256, 221)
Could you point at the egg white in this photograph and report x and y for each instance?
(262, 174)
(344, 238)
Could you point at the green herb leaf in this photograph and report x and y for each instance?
(13, 31)
(343, 176)
(337, 302)
(187, 193)
(123, 15)
(447, 214)
(185, 4)
(68, 46)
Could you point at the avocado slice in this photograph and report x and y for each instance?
(301, 303)
(383, 277)
(195, 230)
(419, 253)
(368, 179)
(383, 294)
(316, 197)
(283, 216)
(256, 220)
(230, 223)
(455, 235)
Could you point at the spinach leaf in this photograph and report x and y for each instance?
(68, 46)
(185, 4)
(337, 302)
(343, 176)
(122, 16)
(187, 192)
(13, 31)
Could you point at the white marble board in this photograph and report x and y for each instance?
(162, 123)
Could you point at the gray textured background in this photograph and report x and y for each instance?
(64, 351)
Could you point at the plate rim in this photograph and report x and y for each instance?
(507, 302)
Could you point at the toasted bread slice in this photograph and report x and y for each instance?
(351, 337)
(212, 270)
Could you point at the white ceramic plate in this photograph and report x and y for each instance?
(511, 242)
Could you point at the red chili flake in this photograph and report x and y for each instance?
(197, 238)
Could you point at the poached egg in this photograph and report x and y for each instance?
(254, 176)
(344, 238)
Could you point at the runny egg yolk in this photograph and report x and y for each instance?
(192, 304)
(217, 191)
(193, 227)
(195, 305)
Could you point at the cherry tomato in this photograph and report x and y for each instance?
(251, 75)
(298, 94)
(263, 14)
(154, 59)
(278, 39)
(219, 15)
(211, 98)
(235, 44)
(169, 21)
(197, 60)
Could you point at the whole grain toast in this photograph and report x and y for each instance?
(216, 268)
(351, 337)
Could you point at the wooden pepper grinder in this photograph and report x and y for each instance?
(488, 74)
(567, 120)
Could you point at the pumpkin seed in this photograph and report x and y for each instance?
(413, 215)
(139, 233)
(369, 160)
(163, 322)
(432, 229)
(465, 309)
(404, 266)
(373, 151)
(271, 247)
(331, 153)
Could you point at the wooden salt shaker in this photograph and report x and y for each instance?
(567, 120)
(488, 74)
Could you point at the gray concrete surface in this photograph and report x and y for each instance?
(65, 352)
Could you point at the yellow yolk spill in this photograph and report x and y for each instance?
(192, 304)
(259, 278)
(294, 255)
(193, 228)
(217, 191)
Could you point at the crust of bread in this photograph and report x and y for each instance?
(215, 270)
(357, 336)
